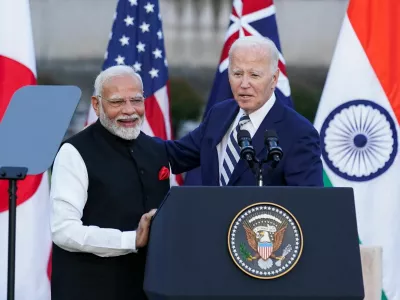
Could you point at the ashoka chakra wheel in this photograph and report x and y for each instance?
(359, 140)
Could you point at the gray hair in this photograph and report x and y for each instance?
(113, 72)
(258, 41)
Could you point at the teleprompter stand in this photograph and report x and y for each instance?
(32, 129)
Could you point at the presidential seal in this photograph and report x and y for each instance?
(265, 240)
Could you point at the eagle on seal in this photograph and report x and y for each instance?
(264, 246)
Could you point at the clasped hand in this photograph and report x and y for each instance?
(142, 233)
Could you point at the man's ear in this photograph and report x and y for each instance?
(96, 105)
(275, 78)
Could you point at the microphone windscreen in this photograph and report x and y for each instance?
(243, 134)
(270, 134)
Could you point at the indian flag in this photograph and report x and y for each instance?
(33, 237)
(358, 119)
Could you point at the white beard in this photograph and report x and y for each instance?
(123, 132)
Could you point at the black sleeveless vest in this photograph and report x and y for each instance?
(123, 185)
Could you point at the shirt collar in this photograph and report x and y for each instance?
(256, 117)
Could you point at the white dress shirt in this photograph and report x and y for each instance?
(256, 119)
(68, 197)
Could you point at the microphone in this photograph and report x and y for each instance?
(271, 141)
(247, 151)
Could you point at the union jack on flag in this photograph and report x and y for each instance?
(248, 17)
(137, 40)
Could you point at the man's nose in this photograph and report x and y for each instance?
(245, 82)
(128, 108)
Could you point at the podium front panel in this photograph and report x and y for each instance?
(189, 257)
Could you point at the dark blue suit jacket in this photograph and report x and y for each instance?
(301, 164)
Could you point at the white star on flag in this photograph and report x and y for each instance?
(124, 40)
(140, 47)
(137, 66)
(133, 2)
(159, 34)
(120, 60)
(153, 73)
(157, 53)
(149, 7)
(128, 20)
(145, 27)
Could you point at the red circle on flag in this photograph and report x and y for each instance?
(13, 76)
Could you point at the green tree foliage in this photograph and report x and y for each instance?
(186, 104)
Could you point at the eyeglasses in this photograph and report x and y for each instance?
(119, 102)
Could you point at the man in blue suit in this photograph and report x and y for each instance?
(253, 75)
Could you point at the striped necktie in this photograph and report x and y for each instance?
(232, 153)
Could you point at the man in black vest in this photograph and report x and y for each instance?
(106, 182)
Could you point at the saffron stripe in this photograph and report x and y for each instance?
(377, 24)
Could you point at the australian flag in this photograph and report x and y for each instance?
(248, 17)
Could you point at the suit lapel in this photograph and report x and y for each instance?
(274, 116)
(225, 121)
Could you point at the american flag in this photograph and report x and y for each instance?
(137, 40)
(248, 17)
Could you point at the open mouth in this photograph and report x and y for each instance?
(245, 96)
(128, 122)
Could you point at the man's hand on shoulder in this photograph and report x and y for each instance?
(142, 233)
